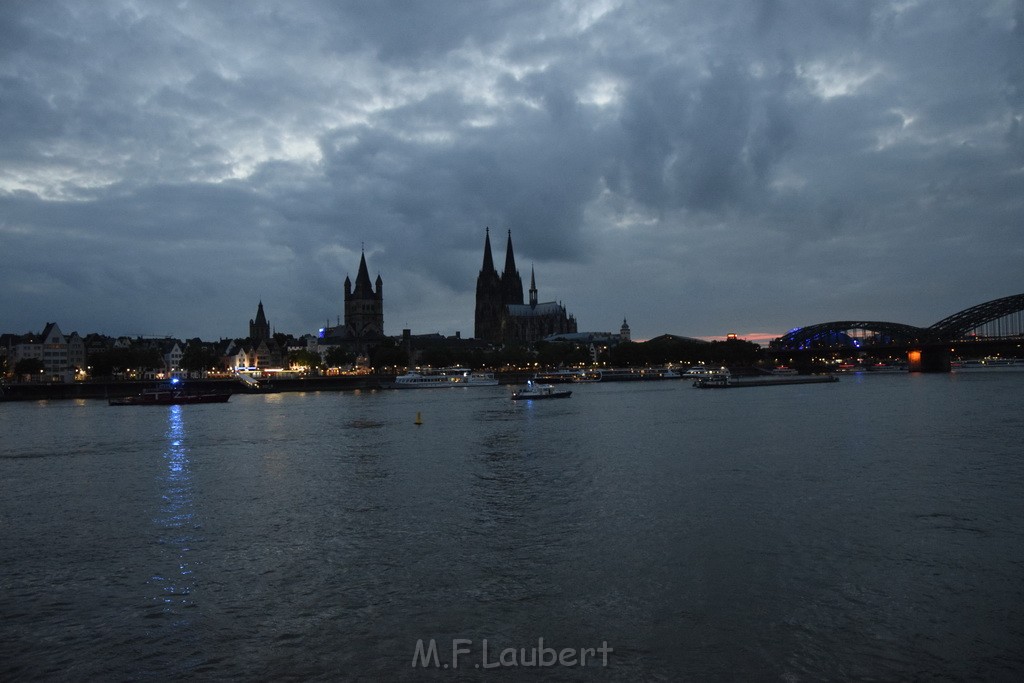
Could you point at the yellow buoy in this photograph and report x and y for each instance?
(419, 420)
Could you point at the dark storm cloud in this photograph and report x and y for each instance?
(406, 32)
(704, 143)
(698, 167)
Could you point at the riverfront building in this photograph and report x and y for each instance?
(258, 351)
(59, 355)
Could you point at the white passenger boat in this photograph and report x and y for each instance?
(482, 379)
(445, 377)
(701, 371)
(713, 379)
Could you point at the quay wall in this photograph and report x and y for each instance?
(104, 389)
(42, 391)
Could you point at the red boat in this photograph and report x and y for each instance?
(169, 396)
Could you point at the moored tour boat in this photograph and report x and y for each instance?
(445, 377)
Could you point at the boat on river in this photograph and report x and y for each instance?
(445, 377)
(723, 379)
(171, 395)
(701, 371)
(988, 363)
(534, 391)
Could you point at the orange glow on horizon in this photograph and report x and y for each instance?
(762, 338)
(755, 337)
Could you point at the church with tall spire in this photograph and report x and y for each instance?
(362, 330)
(364, 306)
(259, 328)
(501, 317)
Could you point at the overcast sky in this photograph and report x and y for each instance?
(697, 167)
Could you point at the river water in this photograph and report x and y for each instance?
(869, 529)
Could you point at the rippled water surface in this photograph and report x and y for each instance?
(870, 529)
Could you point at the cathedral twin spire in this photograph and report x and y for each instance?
(510, 259)
(510, 282)
(488, 261)
(500, 313)
(494, 292)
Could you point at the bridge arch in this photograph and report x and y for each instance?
(838, 333)
(959, 324)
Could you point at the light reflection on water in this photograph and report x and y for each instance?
(175, 523)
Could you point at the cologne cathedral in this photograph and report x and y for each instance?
(502, 317)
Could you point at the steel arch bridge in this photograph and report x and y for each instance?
(959, 324)
(836, 333)
(949, 329)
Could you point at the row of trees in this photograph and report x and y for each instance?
(656, 352)
(102, 364)
(665, 350)
(107, 363)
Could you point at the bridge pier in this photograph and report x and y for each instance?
(928, 360)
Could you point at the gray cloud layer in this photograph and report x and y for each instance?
(698, 167)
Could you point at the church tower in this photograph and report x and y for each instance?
(533, 289)
(259, 328)
(489, 305)
(511, 283)
(624, 331)
(364, 306)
